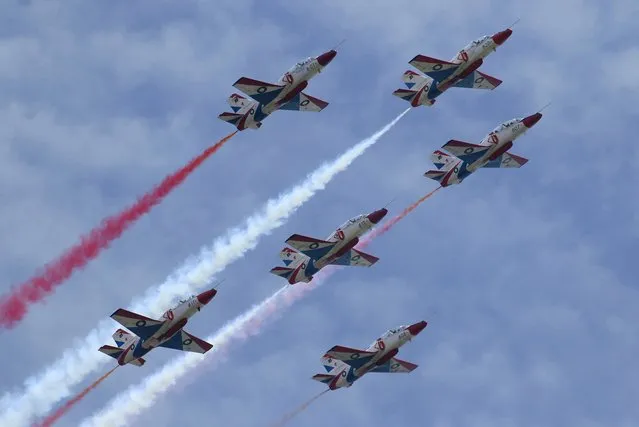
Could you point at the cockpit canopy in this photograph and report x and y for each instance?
(301, 64)
(506, 125)
(391, 332)
(477, 42)
(351, 221)
(182, 301)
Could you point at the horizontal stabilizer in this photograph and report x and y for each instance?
(437, 175)
(109, 350)
(232, 118)
(355, 258)
(351, 356)
(115, 353)
(405, 94)
(323, 378)
(310, 246)
(507, 160)
(394, 366)
(304, 102)
(141, 326)
(437, 69)
(284, 272)
(466, 151)
(478, 80)
(262, 92)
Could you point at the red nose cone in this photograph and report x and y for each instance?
(325, 58)
(502, 36)
(206, 296)
(377, 216)
(416, 328)
(530, 121)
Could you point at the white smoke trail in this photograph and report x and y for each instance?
(45, 389)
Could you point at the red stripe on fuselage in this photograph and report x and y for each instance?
(299, 88)
(507, 146)
(173, 330)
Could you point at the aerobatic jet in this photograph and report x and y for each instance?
(441, 75)
(149, 333)
(346, 365)
(268, 97)
(492, 152)
(338, 249)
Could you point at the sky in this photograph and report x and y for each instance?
(525, 276)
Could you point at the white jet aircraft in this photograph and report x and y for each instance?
(150, 333)
(338, 249)
(461, 71)
(268, 97)
(346, 365)
(491, 152)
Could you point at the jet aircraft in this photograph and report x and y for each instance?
(460, 71)
(346, 365)
(148, 333)
(268, 97)
(338, 249)
(492, 152)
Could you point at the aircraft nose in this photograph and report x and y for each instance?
(416, 328)
(377, 216)
(206, 296)
(502, 36)
(530, 121)
(325, 58)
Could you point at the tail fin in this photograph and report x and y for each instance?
(323, 378)
(121, 336)
(115, 353)
(237, 102)
(443, 160)
(289, 255)
(411, 78)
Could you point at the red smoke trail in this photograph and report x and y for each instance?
(391, 222)
(51, 419)
(13, 307)
(299, 409)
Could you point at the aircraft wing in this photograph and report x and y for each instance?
(262, 92)
(478, 80)
(465, 150)
(507, 160)
(186, 342)
(355, 258)
(141, 326)
(395, 366)
(437, 69)
(351, 356)
(304, 102)
(309, 246)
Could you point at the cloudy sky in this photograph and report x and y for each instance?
(526, 277)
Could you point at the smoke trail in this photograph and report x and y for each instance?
(51, 419)
(135, 399)
(299, 409)
(14, 306)
(43, 390)
(391, 222)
